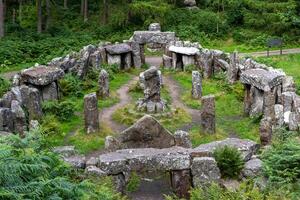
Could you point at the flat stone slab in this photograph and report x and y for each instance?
(174, 158)
(190, 51)
(118, 49)
(246, 147)
(41, 75)
(143, 37)
(262, 79)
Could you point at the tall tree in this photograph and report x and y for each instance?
(39, 15)
(105, 12)
(65, 4)
(1, 18)
(48, 11)
(82, 7)
(20, 10)
(86, 10)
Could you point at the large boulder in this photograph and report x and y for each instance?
(252, 168)
(145, 133)
(118, 49)
(190, 51)
(41, 75)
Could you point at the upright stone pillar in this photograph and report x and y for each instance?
(233, 69)
(196, 85)
(181, 183)
(269, 103)
(91, 113)
(103, 82)
(19, 118)
(265, 131)
(208, 121)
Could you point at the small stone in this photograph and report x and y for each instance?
(196, 85)
(208, 121)
(182, 139)
(91, 113)
(65, 151)
(294, 121)
(103, 82)
(93, 170)
(252, 168)
(111, 143)
(154, 27)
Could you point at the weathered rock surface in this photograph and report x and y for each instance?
(189, 3)
(288, 84)
(233, 68)
(41, 75)
(76, 161)
(50, 92)
(118, 49)
(265, 131)
(91, 113)
(181, 183)
(208, 121)
(191, 51)
(294, 121)
(19, 118)
(154, 27)
(205, 171)
(167, 62)
(6, 122)
(196, 85)
(252, 168)
(146, 132)
(143, 37)
(66, 151)
(262, 79)
(279, 117)
(103, 82)
(182, 139)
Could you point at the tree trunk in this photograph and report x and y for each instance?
(20, 10)
(65, 4)
(39, 15)
(82, 7)
(86, 10)
(48, 10)
(14, 16)
(105, 13)
(1, 19)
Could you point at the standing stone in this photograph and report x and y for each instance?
(154, 27)
(294, 121)
(287, 101)
(279, 116)
(120, 182)
(257, 101)
(127, 61)
(151, 81)
(91, 113)
(31, 99)
(19, 118)
(196, 85)
(50, 92)
(114, 60)
(136, 51)
(233, 68)
(167, 62)
(181, 183)
(182, 139)
(265, 131)
(206, 61)
(103, 82)
(205, 171)
(208, 121)
(6, 122)
(269, 103)
(288, 84)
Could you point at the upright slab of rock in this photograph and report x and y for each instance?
(151, 82)
(208, 121)
(265, 131)
(103, 82)
(232, 71)
(196, 85)
(91, 113)
(19, 118)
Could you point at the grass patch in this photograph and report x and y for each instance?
(229, 109)
(171, 120)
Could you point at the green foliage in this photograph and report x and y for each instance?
(4, 86)
(64, 110)
(70, 85)
(282, 162)
(133, 183)
(229, 161)
(29, 171)
(50, 126)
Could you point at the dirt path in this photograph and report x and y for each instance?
(106, 113)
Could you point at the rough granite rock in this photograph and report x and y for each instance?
(111, 143)
(265, 131)
(76, 161)
(19, 118)
(252, 168)
(154, 27)
(50, 92)
(262, 79)
(246, 147)
(182, 139)
(205, 171)
(93, 170)
(181, 183)
(294, 121)
(167, 62)
(287, 100)
(208, 121)
(91, 113)
(196, 85)
(6, 122)
(233, 68)
(144, 37)
(279, 117)
(269, 103)
(146, 132)
(288, 84)
(118, 49)
(66, 151)
(190, 51)
(103, 83)
(190, 3)
(41, 75)
(33, 125)
(205, 60)
(31, 99)
(144, 159)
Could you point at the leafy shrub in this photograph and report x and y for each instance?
(282, 162)
(29, 171)
(4, 86)
(134, 182)
(229, 161)
(50, 126)
(63, 110)
(71, 85)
